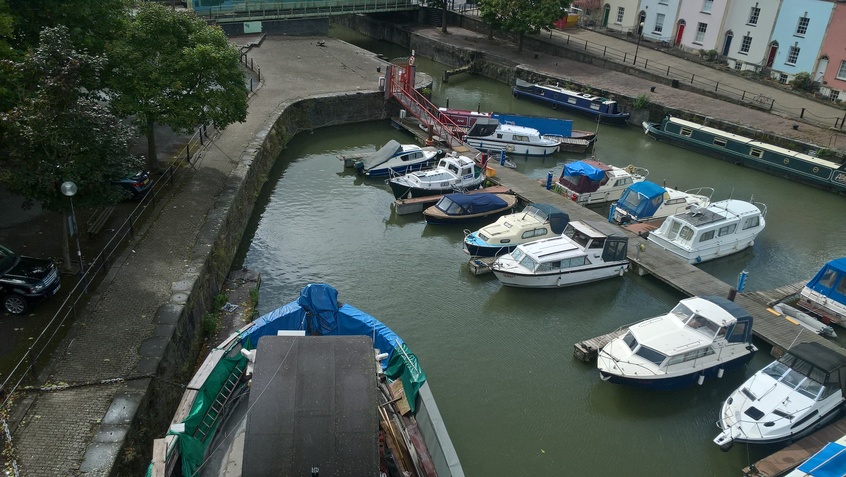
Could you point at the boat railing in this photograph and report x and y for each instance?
(703, 191)
(636, 171)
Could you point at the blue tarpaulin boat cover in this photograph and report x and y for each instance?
(580, 168)
(470, 203)
(642, 199)
(830, 461)
(830, 281)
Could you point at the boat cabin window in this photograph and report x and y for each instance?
(467, 170)
(524, 260)
(703, 325)
(577, 236)
(686, 132)
(623, 181)
(686, 233)
(630, 341)
(413, 155)
(595, 106)
(755, 152)
(691, 355)
(453, 168)
(520, 138)
(657, 201)
(574, 262)
(726, 230)
(709, 235)
(596, 243)
(751, 222)
(499, 135)
(674, 230)
(549, 266)
(615, 250)
(505, 241)
(534, 233)
(682, 312)
(650, 354)
(718, 141)
(449, 207)
(802, 376)
(571, 100)
(829, 278)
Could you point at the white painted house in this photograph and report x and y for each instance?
(746, 33)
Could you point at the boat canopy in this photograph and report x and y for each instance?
(741, 331)
(581, 168)
(468, 204)
(820, 363)
(483, 127)
(389, 150)
(828, 462)
(830, 281)
(642, 199)
(556, 218)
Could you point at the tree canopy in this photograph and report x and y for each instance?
(522, 16)
(170, 67)
(58, 131)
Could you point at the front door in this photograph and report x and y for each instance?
(605, 15)
(771, 56)
(729, 36)
(821, 66)
(680, 32)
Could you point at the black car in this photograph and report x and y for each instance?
(24, 281)
(137, 185)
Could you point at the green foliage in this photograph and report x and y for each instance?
(91, 24)
(59, 131)
(210, 324)
(641, 102)
(254, 296)
(803, 82)
(219, 300)
(522, 16)
(170, 67)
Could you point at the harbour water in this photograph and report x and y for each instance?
(500, 360)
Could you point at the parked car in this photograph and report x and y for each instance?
(137, 184)
(25, 281)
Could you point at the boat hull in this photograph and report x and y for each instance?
(400, 170)
(511, 148)
(667, 383)
(563, 279)
(403, 191)
(475, 250)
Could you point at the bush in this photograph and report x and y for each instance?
(803, 82)
(641, 102)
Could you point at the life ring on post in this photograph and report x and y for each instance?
(411, 60)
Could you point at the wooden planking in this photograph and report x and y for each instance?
(771, 297)
(795, 454)
(587, 350)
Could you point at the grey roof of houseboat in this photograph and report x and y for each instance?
(313, 405)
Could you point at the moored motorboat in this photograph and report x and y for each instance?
(804, 320)
(453, 173)
(825, 294)
(701, 234)
(341, 381)
(461, 208)
(701, 337)
(584, 252)
(534, 222)
(593, 182)
(787, 399)
(603, 109)
(805, 168)
(492, 136)
(646, 201)
(396, 158)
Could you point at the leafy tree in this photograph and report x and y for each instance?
(170, 67)
(803, 82)
(442, 4)
(522, 16)
(91, 23)
(7, 54)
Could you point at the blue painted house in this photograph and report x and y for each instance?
(797, 38)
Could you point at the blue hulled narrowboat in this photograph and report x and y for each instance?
(605, 110)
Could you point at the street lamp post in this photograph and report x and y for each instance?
(639, 36)
(69, 189)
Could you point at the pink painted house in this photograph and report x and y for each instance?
(831, 64)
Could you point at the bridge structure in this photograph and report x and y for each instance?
(233, 11)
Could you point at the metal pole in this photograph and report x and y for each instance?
(76, 235)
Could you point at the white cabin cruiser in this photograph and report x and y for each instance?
(645, 200)
(492, 136)
(700, 234)
(593, 182)
(585, 252)
(535, 222)
(825, 294)
(397, 158)
(452, 174)
(787, 400)
(701, 337)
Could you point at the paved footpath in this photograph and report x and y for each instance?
(103, 345)
(58, 427)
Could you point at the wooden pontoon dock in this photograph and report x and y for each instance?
(792, 456)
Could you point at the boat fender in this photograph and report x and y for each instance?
(622, 270)
(701, 379)
(699, 259)
(720, 372)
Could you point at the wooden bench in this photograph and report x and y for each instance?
(98, 220)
